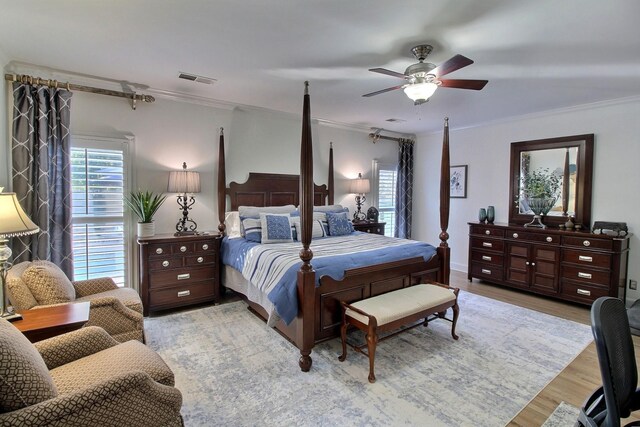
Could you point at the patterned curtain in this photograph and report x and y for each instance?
(404, 190)
(42, 172)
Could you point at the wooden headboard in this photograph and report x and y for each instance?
(269, 189)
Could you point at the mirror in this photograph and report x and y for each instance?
(568, 161)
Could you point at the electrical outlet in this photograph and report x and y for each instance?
(633, 284)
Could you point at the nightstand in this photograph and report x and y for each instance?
(178, 271)
(370, 227)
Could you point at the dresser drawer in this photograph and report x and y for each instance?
(486, 231)
(487, 257)
(165, 263)
(183, 248)
(587, 242)
(586, 275)
(174, 277)
(487, 244)
(489, 272)
(533, 237)
(181, 295)
(159, 249)
(203, 259)
(586, 258)
(582, 292)
(206, 246)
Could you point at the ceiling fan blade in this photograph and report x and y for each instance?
(464, 84)
(378, 92)
(387, 72)
(451, 65)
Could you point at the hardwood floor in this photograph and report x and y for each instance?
(578, 380)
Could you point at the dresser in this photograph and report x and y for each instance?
(370, 227)
(569, 265)
(177, 271)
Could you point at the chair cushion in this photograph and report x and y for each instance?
(129, 297)
(48, 284)
(24, 377)
(123, 358)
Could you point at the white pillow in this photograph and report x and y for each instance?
(328, 208)
(276, 228)
(255, 211)
(232, 224)
(317, 231)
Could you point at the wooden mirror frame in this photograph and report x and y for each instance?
(584, 166)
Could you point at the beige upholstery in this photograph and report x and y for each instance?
(37, 284)
(101, 382)
(401, 303)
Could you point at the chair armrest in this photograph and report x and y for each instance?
(113, 316)
(93, 286)
(128, 399)
(66, 348)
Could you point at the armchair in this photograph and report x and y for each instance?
(84, 377)
(34, 284)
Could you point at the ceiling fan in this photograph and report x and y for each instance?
(423, 78)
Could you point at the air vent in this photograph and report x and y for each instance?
(195, 78)
(395, 120)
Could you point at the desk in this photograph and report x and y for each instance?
(42, 323)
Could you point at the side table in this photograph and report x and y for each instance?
(38, 324)
(370, 227)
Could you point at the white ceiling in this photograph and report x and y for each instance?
(537, 55)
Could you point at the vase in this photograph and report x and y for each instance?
(540, 206)
(491, 214)
(146, 229)
(482, 215)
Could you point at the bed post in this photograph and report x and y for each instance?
(444, 251)
(306, 274)
(330, 178)
(222, 183)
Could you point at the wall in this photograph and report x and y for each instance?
(486, 150)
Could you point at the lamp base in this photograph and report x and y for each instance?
(186, 233)
(11, 317)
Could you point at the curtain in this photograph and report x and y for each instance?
(404, 189)
(41, 170)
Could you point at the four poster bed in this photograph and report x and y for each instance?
(316, 300)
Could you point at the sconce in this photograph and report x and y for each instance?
(185, 182)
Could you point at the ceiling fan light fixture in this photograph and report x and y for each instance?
(420, 91)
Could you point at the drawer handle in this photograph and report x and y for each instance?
(586, 243)
(205, 247)
(485, 271)
(584, 275)
(165, 263)
(487, 232)
(368, 230)
(159, 251)
(585, 258)
(184, 276)
(487, 244)
(486, 258)
(184, 294)
(515, 235)
(183, 249)
(583, 292)
(200, 259)
(549, 239)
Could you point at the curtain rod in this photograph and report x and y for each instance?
(37, 81)
(375, 136)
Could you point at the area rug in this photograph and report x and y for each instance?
(565, 415)
(234, 371)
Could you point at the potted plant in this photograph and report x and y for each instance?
(540, 191)
(145, 204)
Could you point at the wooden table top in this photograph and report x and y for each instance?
(48, 320)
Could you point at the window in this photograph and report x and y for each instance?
(99, 181)
(385, 177)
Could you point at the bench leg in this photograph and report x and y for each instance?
(343, 336)
(456, 312)
(372, 341)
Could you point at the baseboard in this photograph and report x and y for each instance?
(459, 267)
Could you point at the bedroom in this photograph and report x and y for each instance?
(605, 104)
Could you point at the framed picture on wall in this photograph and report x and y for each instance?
(458, 181)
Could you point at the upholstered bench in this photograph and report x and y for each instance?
(391, 311)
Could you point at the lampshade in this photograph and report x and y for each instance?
(420, 91)
(184, 181)
(359, 185)
(13, 220)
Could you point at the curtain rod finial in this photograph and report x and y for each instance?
(306, 87)
(221, 131)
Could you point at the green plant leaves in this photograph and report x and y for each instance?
(144, 204)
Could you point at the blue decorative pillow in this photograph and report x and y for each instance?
(252, 228)
(276, 228)
(339, 224)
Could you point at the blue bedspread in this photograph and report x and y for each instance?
(273, 268)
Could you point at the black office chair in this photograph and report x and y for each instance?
(618, 396)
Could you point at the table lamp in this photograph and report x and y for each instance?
(185, 182)
(359, 186)
(13, 222)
